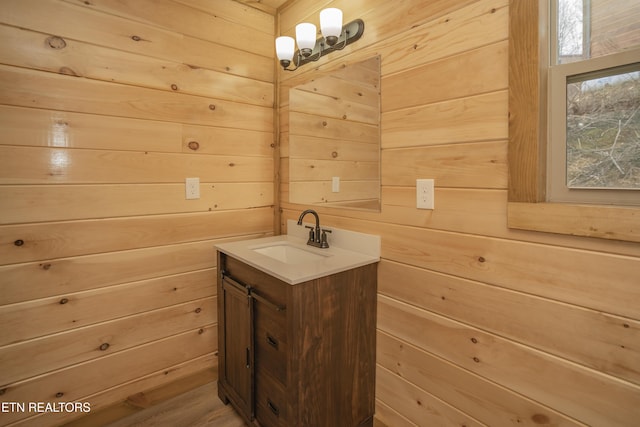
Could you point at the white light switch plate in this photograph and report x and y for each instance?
(335, 184)
(192, 188)
(425, 194)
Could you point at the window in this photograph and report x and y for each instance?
(594, 102)
(583, 51)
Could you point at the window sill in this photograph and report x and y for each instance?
(605, 222)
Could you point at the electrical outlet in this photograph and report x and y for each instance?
(335, 184)
(424, 194)
(192, 188)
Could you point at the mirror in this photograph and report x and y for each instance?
(334, 138)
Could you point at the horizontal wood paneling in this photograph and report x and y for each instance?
(128, 393)
(107, 272)
(63, 312)
(479, 324)
(422, 408)
(474, 165)
(63, 129)
(38, 356)
(40, 165)
(64, 239)
(77, 273)
(51, 203)
(588, 337)
(33, 50)
(140, 38)
(477, 118)
(29, 88)
(491, 405)
(584, 394)
(85, 379)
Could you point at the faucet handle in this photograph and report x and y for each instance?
(323, 239)
(312, 234)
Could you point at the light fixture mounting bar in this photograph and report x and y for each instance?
(351, 32)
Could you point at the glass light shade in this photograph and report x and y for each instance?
(331, 22)
(285, 48)
(306, 36)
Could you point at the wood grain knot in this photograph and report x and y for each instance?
(55, 42)
(136, 38)
(174, 87)
(64, 301)
(193, 145)
(198, 310)
(344, 117)
(625, 325)
(232, 164)
(3, 391)
(67, 72)
(45, 266)
(473, 340)
(104, 346)
(481, 259)
(19, 242)
(475, 359)
(540, 419)
(200, 331)
(59, 394)
(334, 154)
(212, 107)
(324, 124)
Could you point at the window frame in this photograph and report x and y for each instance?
(527, 208)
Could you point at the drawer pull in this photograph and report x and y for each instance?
(272, 341)
(273, 408)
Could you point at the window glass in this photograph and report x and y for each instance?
(594, 102)
(592, 28)
(603, 130)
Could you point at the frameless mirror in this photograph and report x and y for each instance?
(334, 138)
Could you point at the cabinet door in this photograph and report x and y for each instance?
(238, 369)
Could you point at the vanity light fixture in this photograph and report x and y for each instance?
(335, 37)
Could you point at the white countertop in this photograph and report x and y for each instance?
(347, 250)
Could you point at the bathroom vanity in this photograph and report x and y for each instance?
(296, 331)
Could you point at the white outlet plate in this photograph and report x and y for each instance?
(335, 184)
(425, 194)
(192, 188)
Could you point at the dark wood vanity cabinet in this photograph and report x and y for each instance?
(297, 355)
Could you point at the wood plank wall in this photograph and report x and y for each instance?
(477, 324)
(107, 273)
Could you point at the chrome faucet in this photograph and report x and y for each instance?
(316, 238)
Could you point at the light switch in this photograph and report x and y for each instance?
(335, 184)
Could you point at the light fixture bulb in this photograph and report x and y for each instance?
(285, 48)
(331, 24)
(306, 38)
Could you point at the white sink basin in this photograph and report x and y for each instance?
(288, 254)
(289, 258)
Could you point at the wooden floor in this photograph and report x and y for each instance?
(190, 402)
(198, 407)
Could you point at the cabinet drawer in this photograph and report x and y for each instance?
(270, 288)
(270, 402)
(270, 340)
